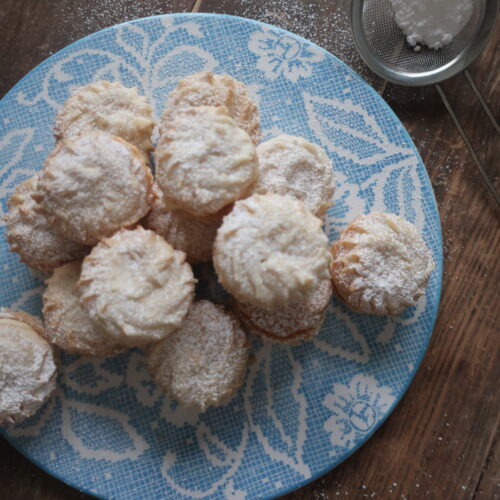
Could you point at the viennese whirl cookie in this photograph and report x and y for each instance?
(209, 89)
(136, 287)
(107, 107)
(380, 264)
(27, 366)
(93, 185)
(204, 161)
(270, 251)
(204, 362)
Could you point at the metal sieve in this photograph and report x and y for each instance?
(383, 47)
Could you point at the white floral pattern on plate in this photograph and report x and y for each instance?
(357, 408)
(111, 429)
(280, 54)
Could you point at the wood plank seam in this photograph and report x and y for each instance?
(489, 457)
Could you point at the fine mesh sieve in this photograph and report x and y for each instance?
(383, 46)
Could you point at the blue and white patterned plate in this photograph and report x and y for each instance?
(108, 430)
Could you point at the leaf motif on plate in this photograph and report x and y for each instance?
(14, 168)
(140, 381)
(177, 414)
(135, 41)
(409, 317)
(348, 130)
(63, 76)
(25, 297)
(223, 462)
(13, 145)
(233, 493)
(342, 337)
(277, 411)
(177, 63)
(100, 433)
(88, 376)
(214, 448)
(396, 189)
(348, 205)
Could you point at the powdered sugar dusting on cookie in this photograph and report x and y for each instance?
(209, 89)
(270, 251)
(27, 367)
(93, 185)
(136, 287)
(67, 323)
(293, 166)
(109, 107)
(204, 362)
(30, 234)
(288, 324)
(204, 161)
(380, 264)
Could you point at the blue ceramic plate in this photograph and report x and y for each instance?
(108, 430)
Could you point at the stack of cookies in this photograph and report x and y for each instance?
(120, 242)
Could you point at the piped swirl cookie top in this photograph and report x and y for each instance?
(32, 236)
(67, 322)
(108, 107)
(136, 286)
(380, 264)
(209, 89)
(204, 161)
(270, 251)
(293, 166)
(94, 184)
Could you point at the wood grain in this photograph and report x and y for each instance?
(32, 30)
(442, 439)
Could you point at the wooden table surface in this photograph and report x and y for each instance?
(442, 439)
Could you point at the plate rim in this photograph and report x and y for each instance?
(439, 262)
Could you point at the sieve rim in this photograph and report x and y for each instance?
(416, 79)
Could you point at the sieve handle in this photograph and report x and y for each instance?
(481, 99)
(473, 153)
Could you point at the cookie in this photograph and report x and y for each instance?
(108, 107)
(298, 168)
(67, 322)
(209, 89)
(204, 362)
(191, 235)
(27, 367)
(270, 251)
(204, 161)
(288, 325)
(380, 264)
(136, 287)
(30, 234)
(93, 185)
